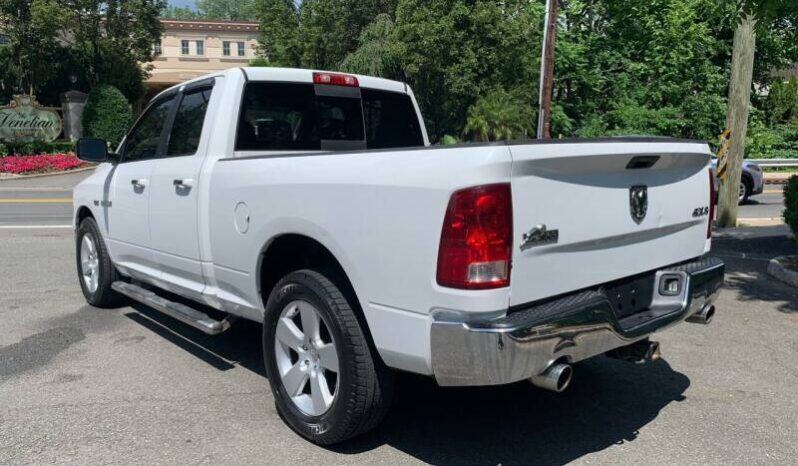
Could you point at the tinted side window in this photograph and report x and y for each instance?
(280, 116)
(187, 127)
(391, 120)
(142, 143)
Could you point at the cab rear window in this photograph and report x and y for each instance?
(297, 117)
(390, 120)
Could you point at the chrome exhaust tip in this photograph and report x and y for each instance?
(555, 378)
(704, 316)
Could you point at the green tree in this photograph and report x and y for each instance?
(112, 37)
(237, 10)
(377, 53)
(279, 32)
(329, 30)
(240, 10)
(634, 67)
(180, 12)
(641, 67)
(454, 51)
(106, 115)
(32, 28)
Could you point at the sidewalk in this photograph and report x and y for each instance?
(59, 182)
(778, 177)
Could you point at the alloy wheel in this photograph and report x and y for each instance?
(307, 358)
(89, 263)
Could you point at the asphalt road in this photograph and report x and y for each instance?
(769, 204)
(80, 385)
(38, 201)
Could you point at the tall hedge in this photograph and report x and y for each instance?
(107, 114)
(791, 204)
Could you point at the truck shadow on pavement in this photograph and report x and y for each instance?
(747, 252)
(607, 404)
(239, 346)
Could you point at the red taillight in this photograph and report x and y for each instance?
(711, 203)
(476, 239)
(335, 79)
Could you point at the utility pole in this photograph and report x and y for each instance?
(737, 118)
(547, 70)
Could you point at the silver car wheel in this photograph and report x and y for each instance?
(307, 358)
(89, 263)
(741, 194)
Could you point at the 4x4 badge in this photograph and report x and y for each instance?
(638, 202)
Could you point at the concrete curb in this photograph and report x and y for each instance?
(760, 222)
(44, 175)
(779, 271)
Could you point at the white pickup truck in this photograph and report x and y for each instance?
(313, 202)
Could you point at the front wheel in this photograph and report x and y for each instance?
(327, 384)
(96, 272)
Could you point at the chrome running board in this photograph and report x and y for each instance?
(181, 312)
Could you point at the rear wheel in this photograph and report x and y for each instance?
(327, 384)
(96, 272)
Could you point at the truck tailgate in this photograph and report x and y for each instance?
(581, 194)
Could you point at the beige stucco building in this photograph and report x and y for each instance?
(191, 48)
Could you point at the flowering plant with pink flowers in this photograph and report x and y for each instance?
(39, 163)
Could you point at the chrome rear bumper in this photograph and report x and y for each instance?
(570, 329)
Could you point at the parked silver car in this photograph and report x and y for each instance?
(752, 181)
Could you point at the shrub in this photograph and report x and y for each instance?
(775, 142)
(106, 115)
(41, 147)
(448, 140)
(791, 204)
(259, 61)
(782, 102)
(499, 115)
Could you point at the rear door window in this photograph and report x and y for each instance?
(187, 127)
(300, 117)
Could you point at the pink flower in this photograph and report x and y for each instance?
(39, 163)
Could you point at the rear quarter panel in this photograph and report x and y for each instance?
(380, 213)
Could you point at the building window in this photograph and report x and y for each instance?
(184, 47)
(226, 48)
(200, 47)
(240, 49)
(157, 48)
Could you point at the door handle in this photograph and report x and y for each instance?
(185, 183)
(140, 183)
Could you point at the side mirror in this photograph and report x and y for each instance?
(92, 150)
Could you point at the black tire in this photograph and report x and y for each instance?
(747, 193)
(103, 296)
(364, 389)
